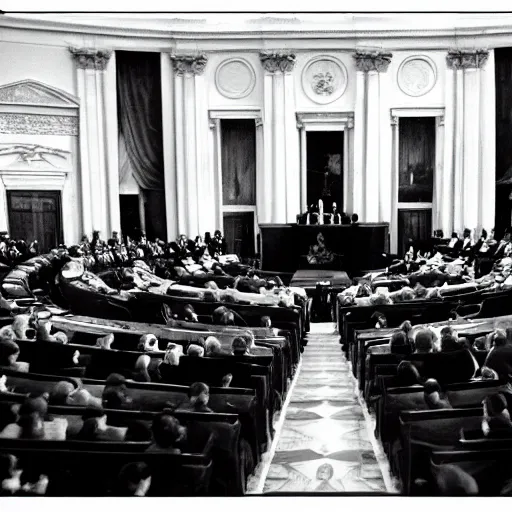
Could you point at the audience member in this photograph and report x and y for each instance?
(239, 346)
(105, 342)
(134, 480)
(9, 353)
(496, 421)
(167, 434)
(423, 342)
(115, 394)
(500, 357)
(95, 427)
(198, 397)
(433, 397)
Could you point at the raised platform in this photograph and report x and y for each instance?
(309, 278)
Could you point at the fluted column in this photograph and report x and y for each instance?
(191, 139)
(282, 204)
(468, 204)
(98, 168)
(358, 186)
(371, 65)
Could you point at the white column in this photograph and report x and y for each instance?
(437, 199)
(169, 136)
(293, 186)
(471, 153)
(278, 109)
(446, 179)
(191, 141)
(216, 141)
(385, 150)
(278, 191)
(265, 214)
(94, 131)
(458, 156)
(487, 196)
(368, 101)
(359, 145)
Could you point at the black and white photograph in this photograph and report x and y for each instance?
(255, 254)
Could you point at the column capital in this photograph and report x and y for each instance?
(89, 58)
(466, 59)
(372, 61)
(191, 64)
(274, 61)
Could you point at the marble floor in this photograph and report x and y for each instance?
(323, 436)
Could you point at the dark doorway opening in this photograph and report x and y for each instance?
(130, 215)
(325, 168)
(36, 215)
(239, 233)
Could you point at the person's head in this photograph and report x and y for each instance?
(227, 318)
(431, 392)
(211, 285)
(105, 342)
(239, 346)
(114, 394)
(199, 393)
(167, 431)
(138, 431)
(9, 352)
(398, 341)
(195, 350)
(90, 430)
(379, 319)
(448, 330)
(189, 314)
(60, 392)
(213, 346)
(449, 343)
(31, 417)
(407, 294)
(420, 291)
(20, 325)
(172, 354)
(499, 338)
(61, 337)
(226, 380)
(134, 479)
(424, 341)
(406, 327)
(148, 343)
(408, 373)
(495, 407)
(355, 218)
(453, 481)
(488, 373)
(7, 333)
(467, 233)
(266, 321)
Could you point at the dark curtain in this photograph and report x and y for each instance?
(140, 126)
(416, 159)
(503, 75)
(238, 162)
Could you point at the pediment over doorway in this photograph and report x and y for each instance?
(34, 93)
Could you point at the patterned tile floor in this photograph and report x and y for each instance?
(323, 445)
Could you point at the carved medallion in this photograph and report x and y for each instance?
(417, 76)
(324, 79)
(235, 78)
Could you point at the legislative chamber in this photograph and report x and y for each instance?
(255, 254)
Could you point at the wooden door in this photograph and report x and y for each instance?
(239, 233)
(36, 215)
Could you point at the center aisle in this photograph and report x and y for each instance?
(324, 443)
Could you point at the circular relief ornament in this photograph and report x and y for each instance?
(324, 79)
(235, 78)
(417, 76)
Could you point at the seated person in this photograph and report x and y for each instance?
(213, 347)
(198, 397)
(399, 344)
(7, 333)
(380, 320)
(9, 353)
(449, 343)
(115, 394)
(148, 343)
(223, 316)
(424, 342)
(226, 380)
(500, 357)
(147, 369)
(138, 431)
(21, 326)
(239, 346)
(189, 314)
(105, 342)
(17, 482)
(496, 421)
(168, 434)
(433, 397)
(66, 393)
(134, 480)
(408, 374)
(95, 427)
(195, 350)
(31, 422)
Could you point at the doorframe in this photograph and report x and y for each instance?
(395, 114)
(60, 217)
(327, 122)
(215, 117)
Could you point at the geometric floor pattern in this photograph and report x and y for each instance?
(323, 444)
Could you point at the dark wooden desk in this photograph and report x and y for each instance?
(283, 246)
